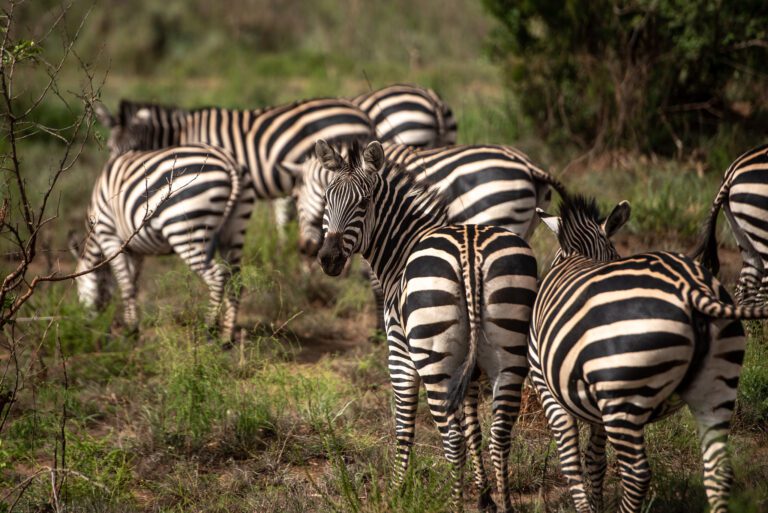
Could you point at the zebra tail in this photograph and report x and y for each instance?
(544, 177)
(707, 303)
(706, 248)
(440, 112)
(235, 171)
(462, 376)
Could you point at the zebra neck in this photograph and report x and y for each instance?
(401, 219)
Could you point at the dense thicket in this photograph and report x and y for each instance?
(654, 75)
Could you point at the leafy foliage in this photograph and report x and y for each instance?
(650, 74)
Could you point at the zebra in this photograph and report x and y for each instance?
(744, 198)
(482, 184)
(409, 114)
(458, 301)
(191, 200)
(264, 140)
(622, 342)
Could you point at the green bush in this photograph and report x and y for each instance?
(650, 75)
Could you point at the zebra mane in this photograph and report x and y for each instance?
(580, 225)
(129, 108)
(428, 197)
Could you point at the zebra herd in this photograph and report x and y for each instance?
(608, 341)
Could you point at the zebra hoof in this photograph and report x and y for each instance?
(485, 503)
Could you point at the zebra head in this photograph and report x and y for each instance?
(309, 194)
(348, 216)
(127, 132)
(94, 289)
(581, 231)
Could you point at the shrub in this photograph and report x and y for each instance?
(649, 75)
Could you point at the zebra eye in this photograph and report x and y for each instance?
(364, 202)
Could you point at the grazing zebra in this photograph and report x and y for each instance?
(458, 301)
(482, 184)
(262, 140)
(190, 200)
(409, 114)
(622, 342)
(743, 195)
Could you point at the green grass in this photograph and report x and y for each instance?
(299, 416)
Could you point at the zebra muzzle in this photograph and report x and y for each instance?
(331, 255)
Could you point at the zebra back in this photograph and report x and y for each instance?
(409, 114)
(262, 140)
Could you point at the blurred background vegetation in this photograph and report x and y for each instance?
(646, 100)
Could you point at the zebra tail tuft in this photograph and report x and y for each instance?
(211, 247)
(458, 384)
(706, 248)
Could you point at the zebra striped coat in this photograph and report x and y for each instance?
(409, 114)
(458, 299)
(743, 196)
(622, 342)
(482, 184)
(262, 140)
(189, 200)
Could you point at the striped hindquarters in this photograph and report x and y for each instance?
(623, 329)
(177, 198)
(472, 287)
(407, 114)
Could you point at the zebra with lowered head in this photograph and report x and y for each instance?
(457, 299)
(191, 200)
(743, 196)
(622, 342)
(262, 140)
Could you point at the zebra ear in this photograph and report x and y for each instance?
(552, 222)
(141, 117)
(73, 244)
(373, 157)
(617, 218)
(330, 159)
(103, 115)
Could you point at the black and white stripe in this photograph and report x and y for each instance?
(409, 114)
(743, 196)
(481, 184)
(622, 342)
(262, 140)
(190, 200)
(458, 301)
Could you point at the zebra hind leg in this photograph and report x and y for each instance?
(125, 269)
(566, 433)
(711, 397)
(474, 437)
(628, 441)
(454, 444)
(596, 464)
(506, 406)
